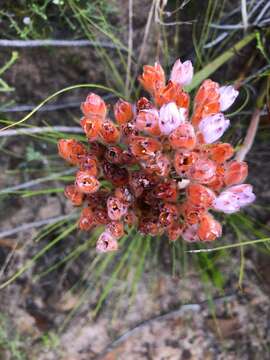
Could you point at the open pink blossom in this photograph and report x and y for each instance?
(213, 127)
(228, 94)
(243, 193)
(170, 117)
(232, 199)
(148, 120)
(116, 208)
(182, 73)
(106, 242)
(227, 203)
(190, 233)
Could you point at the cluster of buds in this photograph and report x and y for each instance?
(153, 167)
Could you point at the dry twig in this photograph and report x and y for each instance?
(35, 224)
(38, 130)
(56, 43)
(254, 122)
(35, 182)
(249, 139)
(130, 46)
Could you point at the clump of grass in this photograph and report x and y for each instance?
(12, 344)
(4, 87)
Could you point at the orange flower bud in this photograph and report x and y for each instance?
(221, 152)
(89, 163)
(131, 219)
(217, 183)
(123, 112)
(86, 182)
(144, 148)
(206, 101)
(191, 213)
(153, 78)
(86, 221)
(94, 106)
(109, 133)
(175, 231)
(236, 173)
(183, 160)
(168, 215)
(172, 92)
(116, 229)
(183, 137)
(144, 104)
(167, 191)
(200, 195)
(71, 150)
(209, 229)
(91, 127)
(74, 195)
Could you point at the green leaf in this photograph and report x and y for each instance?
(219, 61)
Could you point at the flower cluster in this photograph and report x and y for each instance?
(154, 168)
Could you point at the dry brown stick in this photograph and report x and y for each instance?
(35, 224)
(37, 130)
(254, 122)
(56, 43)
(35, 182)
(250, 136)
(244, 14)
(146, 33)
(130, 46)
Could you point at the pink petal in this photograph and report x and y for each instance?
(116, 208)
(170, 117)
(226, 203)
(232, 199)
(147, 118)
(228, 94)
(213, 127)
(243, 193)
(106, 242)
(190, 233)
(182, 73)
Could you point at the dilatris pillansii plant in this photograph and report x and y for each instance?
(166, 169)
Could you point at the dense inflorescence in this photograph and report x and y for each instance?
(153, 168)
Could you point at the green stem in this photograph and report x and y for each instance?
(59, 92)
(219, 61)
(251, 242)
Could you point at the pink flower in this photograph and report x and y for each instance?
(106, 242)
(190, 233)
(232, 199)
(170, 117)
(226, 202)
(228, 94)
(243, 193)
(182, 73)
(148, 120)
(213, 127)
(116, 208)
